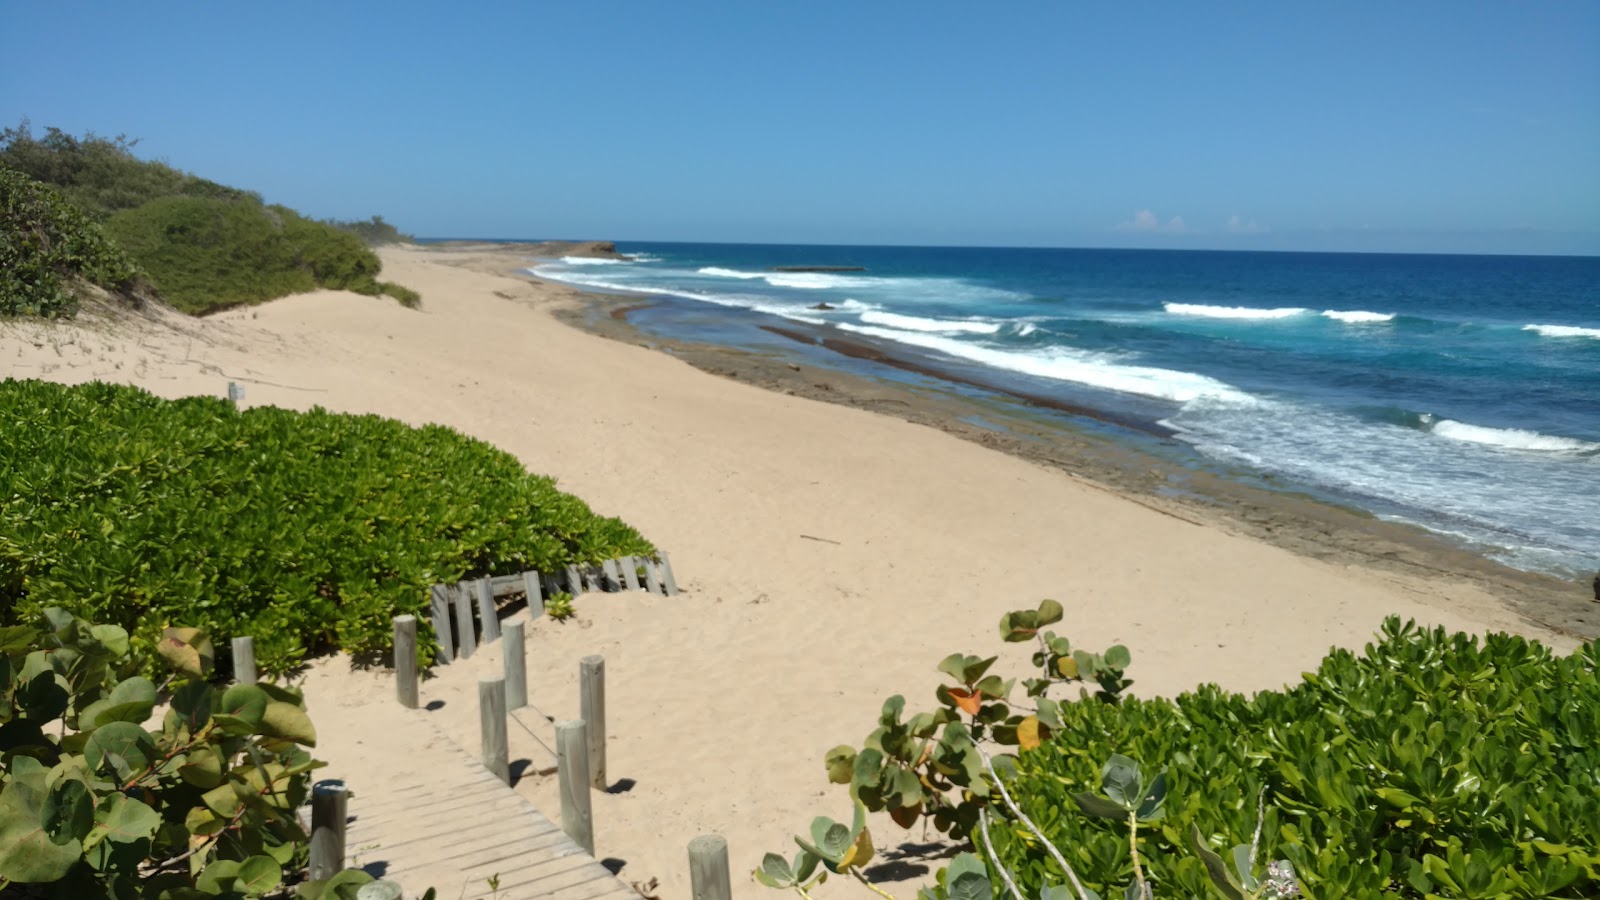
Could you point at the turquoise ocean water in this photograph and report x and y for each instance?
(1459, 393)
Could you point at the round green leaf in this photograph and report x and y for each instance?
(123, 747)
(257, 875)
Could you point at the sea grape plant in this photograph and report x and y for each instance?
(97, 800)
(929, 766)
(934, 767)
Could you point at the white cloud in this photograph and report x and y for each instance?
(1237, 225)
(1146, 221)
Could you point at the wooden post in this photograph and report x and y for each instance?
(667, 581)
(552, 586)
(630, 572)
(613, 580)
(574, 582)
(405, 660)
(327, 828)
(491, 621)
(652, 578)
(572, 762)
(464, 633)
(235, 394)
(708, 869)
(441, 622)
(244, 660)
(492, 718)
(515, 652)
(592, 707)
(530, 586)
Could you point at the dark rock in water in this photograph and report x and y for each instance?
(826, 306)
(585, 249)
(819, 268)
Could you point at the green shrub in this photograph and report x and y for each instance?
(207, 254)
(45, 243)
(95, 806)
(408, 298)
(1432, 765)
(101, 176)
(309, 531)
(373, 232)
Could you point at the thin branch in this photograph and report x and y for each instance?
(994, 858)
(1261, 818)
(1133, 851)
(1022, 817)
(870, 886)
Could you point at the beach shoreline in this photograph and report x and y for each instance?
(1285, 517)
(828, 557)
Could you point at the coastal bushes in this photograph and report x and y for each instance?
(208, 254)
(95, 805)
(309, 531)
(1432, 765)
(47, 246)
(204, 246)
(100, 175)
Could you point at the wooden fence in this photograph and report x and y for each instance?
(464, 614)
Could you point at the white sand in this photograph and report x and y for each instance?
(723, 700)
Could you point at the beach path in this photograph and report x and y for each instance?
(423, 812)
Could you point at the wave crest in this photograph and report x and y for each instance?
(936, 326)
(1232, 312)
(1511, 438)
(1357, 316)
(1563, 331)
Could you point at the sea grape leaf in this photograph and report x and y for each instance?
(68, 811)
(1028, 737)
(187, 650)
(28, 853)
(288, 721)
(122, 746)
(257, 875)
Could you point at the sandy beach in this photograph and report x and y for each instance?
(830, 555)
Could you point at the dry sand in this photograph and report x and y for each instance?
(723, 699)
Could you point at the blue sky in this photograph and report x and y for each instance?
(1449, 127)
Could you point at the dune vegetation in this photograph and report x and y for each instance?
(309, 530)
(202, 246)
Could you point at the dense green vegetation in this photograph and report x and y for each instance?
(309, 531)
(204, 246)
(373, 232)
(209, 254)
(95, 806)
(1433, 765)
(48, 248)
(100, 175)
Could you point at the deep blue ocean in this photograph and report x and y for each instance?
(1459, 393)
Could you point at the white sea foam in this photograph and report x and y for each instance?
(1357, 316)
(1510, 438)
(936, 326)
(1232, 312)
(1564, 331)
(643, 257)
(1090, 369)
(813, 281)
(854, 305)
(592, 261)
(1026, 328)
(720, 272)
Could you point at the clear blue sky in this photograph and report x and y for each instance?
(1453, 127)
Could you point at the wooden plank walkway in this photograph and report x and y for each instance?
(461, 827)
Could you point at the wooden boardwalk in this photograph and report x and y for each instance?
(461, 829)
